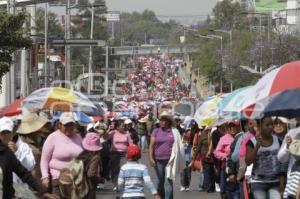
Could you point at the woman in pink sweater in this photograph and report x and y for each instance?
(223, 150)
(120, 140)
(59, 149)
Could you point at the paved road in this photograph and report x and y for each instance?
(107, 193)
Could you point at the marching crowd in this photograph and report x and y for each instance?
(60, 158)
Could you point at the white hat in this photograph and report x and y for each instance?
(90, 126)
(128, 121)
(283, 119)
(67, 117)
(6, 124)
(100, 124)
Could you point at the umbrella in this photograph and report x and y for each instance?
(285, 104)
(230, 106)
(207, 113)
(78, 116)
(13, 109)
(59, 99)
(278, 80)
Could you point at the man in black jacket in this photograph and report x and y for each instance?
(9, 164)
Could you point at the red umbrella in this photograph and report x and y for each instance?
(13, 109)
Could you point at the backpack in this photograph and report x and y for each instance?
(72, 180)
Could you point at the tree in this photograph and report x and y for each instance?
(229, 14)
(55, 30)
(136, 27)
(84, 15)
(12, 38)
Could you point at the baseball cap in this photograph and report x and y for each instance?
(67, 117)
(6, 124)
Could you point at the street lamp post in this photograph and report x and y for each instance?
(229, 32)
(222, 66)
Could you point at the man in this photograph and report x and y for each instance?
(9, 164)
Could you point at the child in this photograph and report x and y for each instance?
(133, 175)
(92, 162)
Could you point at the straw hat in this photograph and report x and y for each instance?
(168, 116)
(32, 123)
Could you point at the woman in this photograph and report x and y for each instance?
(202, 150)
(120, 140)
(188, 137)
(33, 131)
(221, 153)
(133, 134)
(59, 149)
(100, 128)
(166, 153)
(92, 162)
(262, 152)
(9, 164)
(280, 127)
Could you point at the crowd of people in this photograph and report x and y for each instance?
(155, 79)
(60, 158)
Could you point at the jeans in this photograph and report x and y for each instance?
(185, 176)
(233, 194)
(223, 180)
(201, 178)
(165, 186)
(208, 177)
(265, 190)
(117, 161)
(143, 143)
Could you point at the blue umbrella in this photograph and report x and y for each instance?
(285, 104)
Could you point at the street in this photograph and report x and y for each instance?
(107, 193)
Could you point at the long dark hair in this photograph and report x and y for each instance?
(86, 156)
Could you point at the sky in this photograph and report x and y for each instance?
(164, 7)
(183, 11)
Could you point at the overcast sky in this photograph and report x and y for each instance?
(164, 7)
(187, 11)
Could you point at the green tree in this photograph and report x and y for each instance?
(11, 38)
(229, 14)
(136, 26)
(55, 30)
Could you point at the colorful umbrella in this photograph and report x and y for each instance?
(59, 99)
(13, 109)
(278, 80)
(230, 106)
(207, 113)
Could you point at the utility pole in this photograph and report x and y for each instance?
(24, 71)
(106, 71)
(67, 47)
(12, 72)
(46, 46)
(91, 51)
(113, 30)
(34, 72)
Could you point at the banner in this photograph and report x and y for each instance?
(270, 5)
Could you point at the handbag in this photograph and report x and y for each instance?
(197, 165)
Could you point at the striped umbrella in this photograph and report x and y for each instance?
(286, 77)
